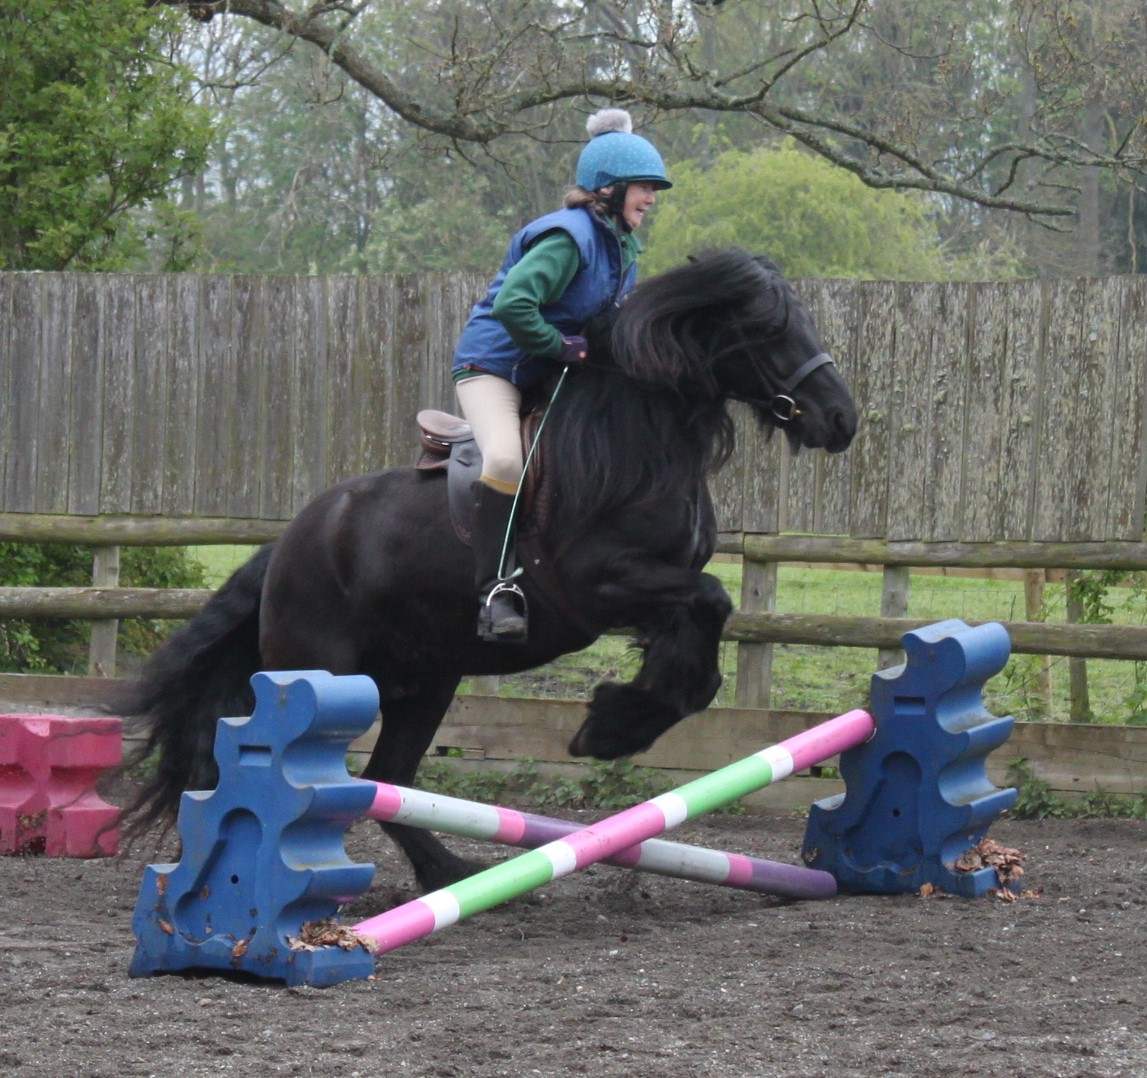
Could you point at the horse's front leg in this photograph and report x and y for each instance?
(680, 673)
(408, 726)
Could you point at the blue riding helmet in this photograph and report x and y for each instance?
(616, 155)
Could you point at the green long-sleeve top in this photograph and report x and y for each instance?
(540, 278)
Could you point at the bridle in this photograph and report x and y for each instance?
(781, 405)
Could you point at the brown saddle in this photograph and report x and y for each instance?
(446, 442)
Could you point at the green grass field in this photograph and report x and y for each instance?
(807, 678)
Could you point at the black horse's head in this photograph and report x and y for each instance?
(727, 325)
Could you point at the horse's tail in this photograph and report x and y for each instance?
(200, 674)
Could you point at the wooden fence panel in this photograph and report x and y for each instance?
(407, 361)
(8, 401)
(1128, 427)
(150, 377)
(834, 309)
(24, 394)
(248, 424)
(907, 412)
(1021, 385)
(379, 317)
(180, 454)
(120, 405)
(344, 419)
(309, 436)
(278, 448)
(216, 391)
(1090, 380)
(1011, 412)
(1060, 428)
(872, 386)
(946, 495)
(55, 388)
(759, 479)
(985, 416)
(85, 408)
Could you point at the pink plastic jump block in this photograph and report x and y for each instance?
(49, 765)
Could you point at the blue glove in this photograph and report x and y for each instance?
(573, 350)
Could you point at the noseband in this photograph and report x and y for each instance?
(782, 405)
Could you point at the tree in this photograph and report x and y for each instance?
(490, 69)
(93, 124)
(811, 217)
(310, 173)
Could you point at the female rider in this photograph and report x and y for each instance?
(560, 271)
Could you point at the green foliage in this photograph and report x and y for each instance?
(93, 123)
(1037, 801)
(612, 785)
(812, 218)
(59, 646)
(1136, 698)
(1090, 590)
(443, 778)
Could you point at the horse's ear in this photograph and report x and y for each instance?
(691, 258)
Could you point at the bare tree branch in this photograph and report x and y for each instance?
(500, 72)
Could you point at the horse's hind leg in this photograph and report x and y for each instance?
(408, 726)
(679, 676)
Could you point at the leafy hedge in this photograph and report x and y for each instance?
(61, 646)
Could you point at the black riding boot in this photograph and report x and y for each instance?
(502, 615)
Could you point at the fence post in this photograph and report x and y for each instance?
(1034, 581)
(102, 643)
(1076, 667)
(894, 604)
(755, 661)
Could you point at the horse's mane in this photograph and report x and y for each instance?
(647, 415)
(666, 332)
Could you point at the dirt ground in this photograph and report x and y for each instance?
(612, 973)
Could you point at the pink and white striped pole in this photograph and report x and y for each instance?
(610, 836)
(527, 830)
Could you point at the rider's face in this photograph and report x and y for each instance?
(639, 198)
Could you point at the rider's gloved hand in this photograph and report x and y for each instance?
(573, 350)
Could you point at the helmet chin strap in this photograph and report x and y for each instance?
(615, 202)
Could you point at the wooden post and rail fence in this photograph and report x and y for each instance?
(1002, 427)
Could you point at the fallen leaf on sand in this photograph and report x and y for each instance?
(326, 933)
(1005, 862)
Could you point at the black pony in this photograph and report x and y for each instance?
(371, 577)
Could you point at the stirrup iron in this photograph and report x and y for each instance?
(504, 591)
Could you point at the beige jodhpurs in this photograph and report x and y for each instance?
(491, 405)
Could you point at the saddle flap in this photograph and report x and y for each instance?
(438, 433)
(442, 427)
